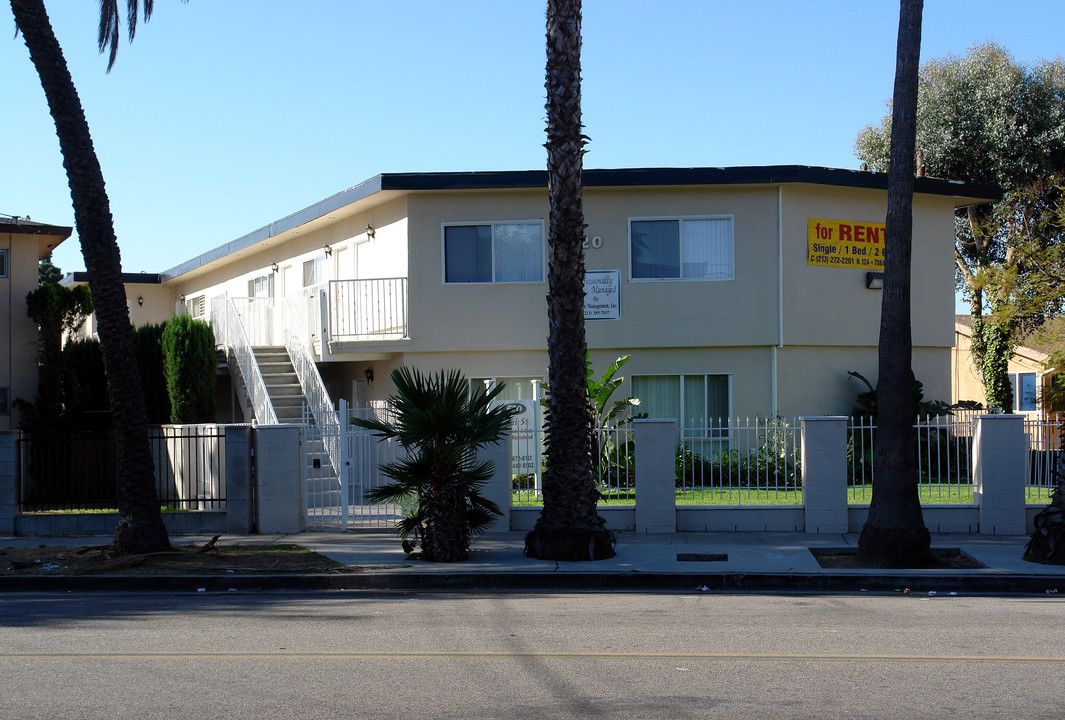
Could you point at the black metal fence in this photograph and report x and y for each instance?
(79, 470)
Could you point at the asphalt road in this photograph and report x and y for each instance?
(372, 655)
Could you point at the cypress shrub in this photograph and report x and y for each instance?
(189, 361)
(147, 341)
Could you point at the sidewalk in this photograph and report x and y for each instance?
(701, 562)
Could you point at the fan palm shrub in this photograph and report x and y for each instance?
(441, 423)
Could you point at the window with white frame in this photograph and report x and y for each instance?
(261, 287)
(314, 271)
(503, 252)
(3, 263)
(687, 248)
(1025, 391)
(197, 306)
(695, 401)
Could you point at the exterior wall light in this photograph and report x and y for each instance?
(874, 280)
(327, 250)
(369, 375)
(370, 232)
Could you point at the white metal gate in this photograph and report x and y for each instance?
(337, 500)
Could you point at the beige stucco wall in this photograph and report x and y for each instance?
(966, 383)
(383, 256)
(828, 318)
(832, 306)
(663, 313)
(18, 352)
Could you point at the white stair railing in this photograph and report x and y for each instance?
(297, 336)
(229, 332)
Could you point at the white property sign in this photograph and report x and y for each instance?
(602, 294)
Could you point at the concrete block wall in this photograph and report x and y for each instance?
(8, 481)
(656, 484)
(278, 466)
(240, 513)
(999, 448)
(824, 474)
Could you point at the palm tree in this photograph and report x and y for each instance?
(441, 423)
(140, 526)
(569, 527)
(894, 534)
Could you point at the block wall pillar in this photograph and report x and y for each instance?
(824, 474)
(656, 481)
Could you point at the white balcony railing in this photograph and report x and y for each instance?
(229, 332)
(318, 402)
(368, 309)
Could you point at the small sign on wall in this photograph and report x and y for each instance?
(845, 244)
(602, 294)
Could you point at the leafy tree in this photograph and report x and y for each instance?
(47, 272)
(57, 310)
(148, 341)
(189, 362)
(140, 526)
(84, 385)
(894, 534)
(441, 423)
(569, 526)
(986, 118)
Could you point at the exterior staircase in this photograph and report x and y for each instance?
(282, 385)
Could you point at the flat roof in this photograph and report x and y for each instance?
(82, 276)
(399, 183)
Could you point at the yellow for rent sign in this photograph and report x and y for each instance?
(844, 244)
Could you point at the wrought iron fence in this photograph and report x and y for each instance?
(944, 448)
(740, 461)
(613, 463)
(79, 470)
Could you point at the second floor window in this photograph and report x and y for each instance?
(3, 263)
(261, 287)
(494, 253)
(681, 248)
(197, 306)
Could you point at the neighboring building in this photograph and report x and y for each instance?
(737, 291)
(1028, 367)
(22, 245)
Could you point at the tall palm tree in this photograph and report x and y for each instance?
(569, 527)
(140, 526)
(894, 534)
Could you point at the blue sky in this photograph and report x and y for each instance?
(224, 115)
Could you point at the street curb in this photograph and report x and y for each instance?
(845, 582)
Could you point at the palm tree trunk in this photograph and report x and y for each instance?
(894, 534)
(569, 527)
(140, 527)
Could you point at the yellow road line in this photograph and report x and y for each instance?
(432, 654)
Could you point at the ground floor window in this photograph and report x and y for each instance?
(5, 401)
(1025, 391)
(696, 401)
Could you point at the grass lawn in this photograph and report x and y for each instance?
(688, 497)
(946, 495)
(857, 495)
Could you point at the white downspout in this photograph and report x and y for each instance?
(780, 292)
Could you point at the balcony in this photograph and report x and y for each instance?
(366, 311)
